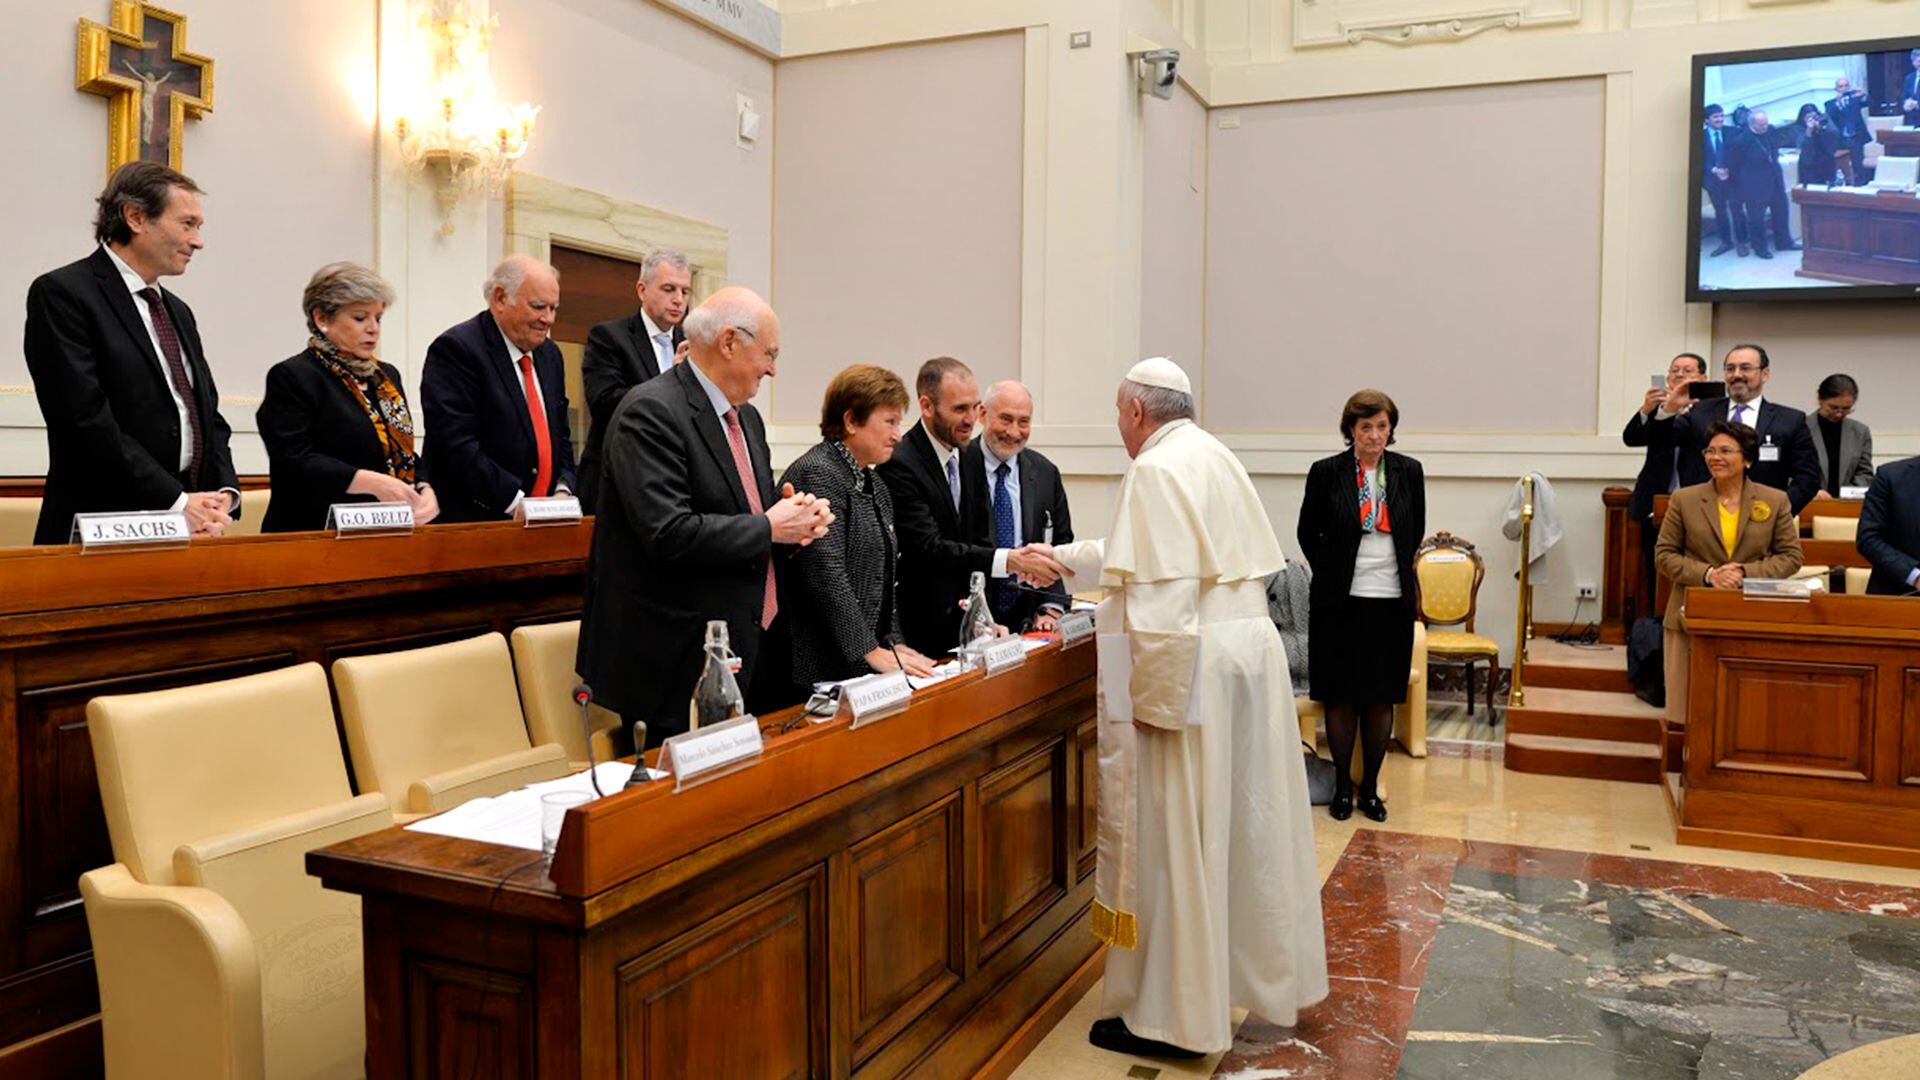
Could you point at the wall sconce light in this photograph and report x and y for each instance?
(453, 125)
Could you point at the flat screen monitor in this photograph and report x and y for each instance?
(1803, 177)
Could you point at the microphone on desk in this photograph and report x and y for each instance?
(583, 697)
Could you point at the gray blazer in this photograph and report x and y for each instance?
(1856, 451)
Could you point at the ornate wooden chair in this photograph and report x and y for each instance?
(1448, 572)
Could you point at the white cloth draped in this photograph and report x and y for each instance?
(1206, 886)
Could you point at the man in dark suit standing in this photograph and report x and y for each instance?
(689, 524)
(623, 353)
(1713, 177)
(1910, 92)
(133, 418)
(1756, 184)
(1847, 112)
(1026, 502)
(494, 394)
(1788, 460)
(1890, 529)
(938, 482)
(1660, 472)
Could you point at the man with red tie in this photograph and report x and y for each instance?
(689, 525)
(133, 419)
(494, 395)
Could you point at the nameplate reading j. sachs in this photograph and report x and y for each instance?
(711, 751)
(1002, 653)
(1075, 627)
(136, 528)
(362, 519)
(874, 696)
(550, 510)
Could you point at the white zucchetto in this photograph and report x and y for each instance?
(1158, 371)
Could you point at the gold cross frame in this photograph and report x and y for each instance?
(146, 109)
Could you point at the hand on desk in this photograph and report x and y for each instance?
(1729, 576)
(882, 660)
(207, 512)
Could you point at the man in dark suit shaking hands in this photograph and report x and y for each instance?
(133, 418)
(623, 353)
(1026, 503)
(1787, 458)
(689, 523)
(494, 394)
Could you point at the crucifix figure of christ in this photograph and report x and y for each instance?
(153, 85)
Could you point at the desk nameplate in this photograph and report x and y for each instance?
(700, 755)
(875, 697)
(550, 510)
(370, 519)
(131, 529)
(1003, 654)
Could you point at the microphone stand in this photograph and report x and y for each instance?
(583, 697)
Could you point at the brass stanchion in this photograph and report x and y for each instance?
(1523, 608)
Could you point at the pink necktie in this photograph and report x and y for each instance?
(738, 441)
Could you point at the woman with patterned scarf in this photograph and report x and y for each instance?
(334, 419)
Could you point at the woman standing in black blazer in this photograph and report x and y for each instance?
(334, 419)
(1363, 516)
(838, 592)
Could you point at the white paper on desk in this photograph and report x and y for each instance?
(513, 819)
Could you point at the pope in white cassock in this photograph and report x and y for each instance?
(1206, 891)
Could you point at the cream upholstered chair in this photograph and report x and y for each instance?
(1836, 528)
(543, 656)
(1895, 173)
(1448, 572)
(1857, 578)
(18, 517)
(431, 728)
(1409, 718)
(217, 954)
(253, 505)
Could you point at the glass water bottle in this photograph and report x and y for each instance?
(716, 697)
(976, 621)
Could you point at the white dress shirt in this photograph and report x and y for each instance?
(946, 454)
(662, 350)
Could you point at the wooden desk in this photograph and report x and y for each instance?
(1862, 239)
(1803, 733)
(1900, 142)
(902, 900)
(74, 626)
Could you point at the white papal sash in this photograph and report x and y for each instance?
(1116, 872)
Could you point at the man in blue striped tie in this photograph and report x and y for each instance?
(1027, 504)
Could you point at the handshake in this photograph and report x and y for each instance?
(1035, 565)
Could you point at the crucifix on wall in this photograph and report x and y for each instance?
(139, 62)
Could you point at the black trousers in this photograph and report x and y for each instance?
(1757, 211)
(1729, 217)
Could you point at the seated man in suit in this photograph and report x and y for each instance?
(1025, 502)
(1660, 472)
(1847, 113)
(1786, 457)
(1889, 535)
(1713, 178)
(1756, 184)
(940, 507)
(689, 523)
(494, 394)
(623, 353)
(1845, 445)
(133, 419)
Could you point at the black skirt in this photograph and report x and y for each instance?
(1360, 653)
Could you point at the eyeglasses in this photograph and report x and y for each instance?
(1742, 369)
(772, 354)
(1721, 451)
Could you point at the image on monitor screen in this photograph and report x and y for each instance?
(1804, 173)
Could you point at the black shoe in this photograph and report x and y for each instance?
(1341, 808)
(1721, 250)
(1788, 246)
(1763, 253)
(1373, 808)
(1112, 1034)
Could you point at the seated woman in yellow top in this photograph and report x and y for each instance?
(1717, 535)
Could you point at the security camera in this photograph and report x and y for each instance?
(1157, 69)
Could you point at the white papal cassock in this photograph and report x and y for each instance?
(1206, 888)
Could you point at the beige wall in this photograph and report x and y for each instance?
(1442, 245)
(897, 230)
(285, 157)
(1173, 229)
(1880, 348)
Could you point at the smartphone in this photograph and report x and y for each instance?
(1705, 391)
(1659, 382)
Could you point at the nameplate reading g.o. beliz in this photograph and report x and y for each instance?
(361, 519)
(1075, 627)
(138, 528)
(873, 696)
(550, 510)
(1002, 653)
(710, 751)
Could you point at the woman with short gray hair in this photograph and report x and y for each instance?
(334, 419)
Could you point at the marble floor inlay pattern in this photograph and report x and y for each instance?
(1497, 960)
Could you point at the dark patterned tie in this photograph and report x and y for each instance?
(177, 371)
(1004, 591)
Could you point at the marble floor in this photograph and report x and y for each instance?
(1549, 925)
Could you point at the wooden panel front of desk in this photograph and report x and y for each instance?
(1859, 238)
(906, 922)
(74, 626)
(1803, 729)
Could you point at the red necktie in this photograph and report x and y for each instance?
(177, 372)
(542, 438)
(737, 439)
